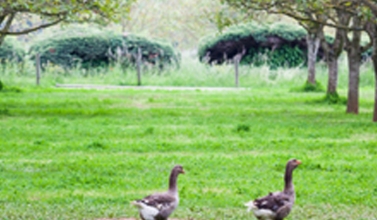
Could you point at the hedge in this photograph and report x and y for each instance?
(278, 44)
(93, 48)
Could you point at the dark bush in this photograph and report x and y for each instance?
(276, 45)
(11, 50)
(94, 48)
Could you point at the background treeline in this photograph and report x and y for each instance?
(277, 45)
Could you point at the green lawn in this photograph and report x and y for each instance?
(85, 154)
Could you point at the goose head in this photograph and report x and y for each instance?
(178, 169)
(293, 163)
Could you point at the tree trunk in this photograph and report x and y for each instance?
(353, 80)
(332, 83)
(375, 83)
(332, 54)
(313, 44)
(354, 61)
(374, 60)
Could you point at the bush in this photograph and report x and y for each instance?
(334, 98)
(89, 48)
(276, 45)
(11, 51)
(309, 87)
(154, 52)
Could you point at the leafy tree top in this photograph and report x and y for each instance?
(52, 12)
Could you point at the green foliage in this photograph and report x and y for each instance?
(284, 56)
(289, 52)
(89, 48)
(310, 87)
(334, 98)
(11, 50)
(9, 89)
(53, 12)
(153, 51)
(286, 31)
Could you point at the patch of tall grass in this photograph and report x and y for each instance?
(191, 73)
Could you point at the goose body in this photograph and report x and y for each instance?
(159, 206)
(277, 205)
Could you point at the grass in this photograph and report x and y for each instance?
(85, 154)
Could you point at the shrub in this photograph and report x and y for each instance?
(11, 50)
(334, 98)
(277, 45)
(309, 87)
(89, 48)
(153, 51)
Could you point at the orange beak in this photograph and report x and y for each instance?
(183, 172)
(298, 162)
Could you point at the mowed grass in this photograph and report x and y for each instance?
(85, 154)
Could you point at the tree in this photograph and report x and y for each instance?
(371, 29)
(351, 23)
(305, 12)
(347, 16)
(52, 12)
(332, 51)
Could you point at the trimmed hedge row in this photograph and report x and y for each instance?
(11, 50)
(89, 49)
(277, 45)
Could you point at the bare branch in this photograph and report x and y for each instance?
(6, 32)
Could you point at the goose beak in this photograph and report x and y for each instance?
(183, 172)
(298, 162)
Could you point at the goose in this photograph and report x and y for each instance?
(277, 205)
(159, 206)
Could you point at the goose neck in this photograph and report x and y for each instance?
(173, 182)
(288, 187)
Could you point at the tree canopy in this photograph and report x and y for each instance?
(52, 12)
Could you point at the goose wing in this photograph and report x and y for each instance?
(163, 203)
(272, 201)
(159, 201)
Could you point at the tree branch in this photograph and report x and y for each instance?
(2, 18)
(305, 19)
(8, 23)
(6, 32)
